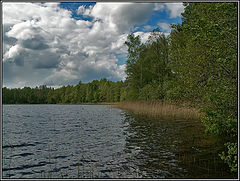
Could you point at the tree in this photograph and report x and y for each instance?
(133, 67)
(204, 59)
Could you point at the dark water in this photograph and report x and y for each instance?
(98, 141)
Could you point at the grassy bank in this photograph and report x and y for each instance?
(93, 103)
(162, 109)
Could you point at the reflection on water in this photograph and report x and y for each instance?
(98, 141)
(173, 149)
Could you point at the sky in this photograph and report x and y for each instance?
(58, 44)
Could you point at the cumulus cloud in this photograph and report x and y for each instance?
(84, 11)
(45, 38)
(164, 26)
(148, 27)
(159, 6)
(35, 43)
(44, 44)
(144, 36)
(174, 9)
(119, 16)
(81, 10)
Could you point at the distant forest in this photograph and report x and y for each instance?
(196, 63)
(93, 92)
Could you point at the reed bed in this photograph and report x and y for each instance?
(162, 109)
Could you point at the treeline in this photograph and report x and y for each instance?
(95, 91)
(196, 63)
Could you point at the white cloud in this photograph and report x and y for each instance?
(164, 26)
(84, 11)
(48, 40)
(12, 52)
(43, 44)
(144, 36)
(174, 9)
(159, 6)
(120, 16)
(118, 45)
(81, 10)
(148, 27)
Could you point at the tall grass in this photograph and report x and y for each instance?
(162, 109)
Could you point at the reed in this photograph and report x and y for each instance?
(162, 109)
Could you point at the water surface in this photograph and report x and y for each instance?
(98, 141)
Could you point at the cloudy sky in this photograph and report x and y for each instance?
(57, 44)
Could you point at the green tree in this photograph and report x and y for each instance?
(204, 59)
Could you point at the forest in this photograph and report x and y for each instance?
(196, 63)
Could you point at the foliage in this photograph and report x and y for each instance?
(147, 66)
(231, 156)
(95, 91)
(204, 59)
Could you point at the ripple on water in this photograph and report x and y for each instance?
(64, 138)
(19, 145)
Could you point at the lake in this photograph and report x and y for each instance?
(99, 141)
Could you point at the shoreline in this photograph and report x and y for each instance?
(87, 103)
(91, 103)
(161, 109)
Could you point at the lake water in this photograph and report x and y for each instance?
(98, 141)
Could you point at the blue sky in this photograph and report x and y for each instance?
(59, 44)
